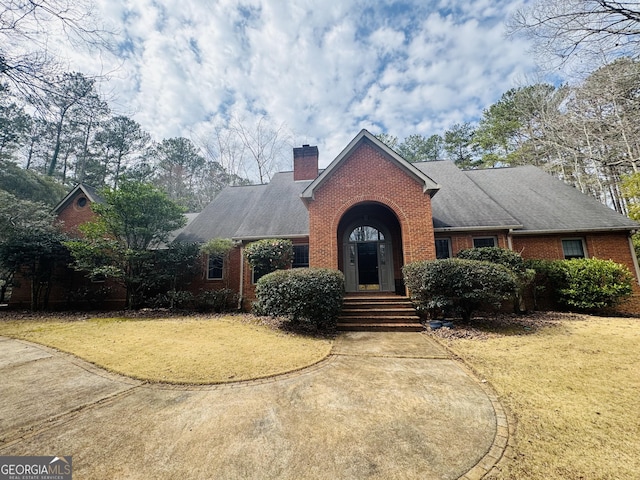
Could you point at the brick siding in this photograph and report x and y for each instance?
(367, 175)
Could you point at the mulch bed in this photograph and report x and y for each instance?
(482, 328)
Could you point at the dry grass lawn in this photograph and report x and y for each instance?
(574, 390)
(176, 350)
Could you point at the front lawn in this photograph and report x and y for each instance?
(572, 384)
(192, 350)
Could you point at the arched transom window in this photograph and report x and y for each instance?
(366, 233)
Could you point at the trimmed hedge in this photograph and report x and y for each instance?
(312, 294)
(584, 283)
(458, 284)
(511, 260)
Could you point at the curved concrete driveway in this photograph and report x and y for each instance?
(382, 406)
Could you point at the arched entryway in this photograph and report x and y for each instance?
(371, 248)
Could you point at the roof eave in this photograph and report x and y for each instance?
(62, 203)
(578, 230)
(479, 228)
(252, 238)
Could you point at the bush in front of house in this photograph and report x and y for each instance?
(220, 300)
(302, 294)
(458, 285)
(510, 259)
(584, 283)
(269, 254)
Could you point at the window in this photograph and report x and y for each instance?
(573, 248)
(480, 242)
(366, 233)
(257, 274)
(300, 256)
(214, 272)
(443, 248)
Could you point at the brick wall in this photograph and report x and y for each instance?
(462, 241)
(367, 175)
(607, 246)
(73, 214)
(305, 163)
(231, 275)
(71, 289)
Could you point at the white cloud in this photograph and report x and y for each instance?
(325, 70)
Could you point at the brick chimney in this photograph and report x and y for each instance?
(305, 163)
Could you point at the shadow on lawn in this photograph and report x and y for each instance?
(482, 327)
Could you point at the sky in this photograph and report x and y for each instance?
(324, 69)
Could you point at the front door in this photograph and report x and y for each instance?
(368, 264)
(368, 278)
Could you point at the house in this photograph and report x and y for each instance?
(370, 212)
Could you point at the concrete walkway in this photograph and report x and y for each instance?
(382, 406)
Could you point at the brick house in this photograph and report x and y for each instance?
(370, 212)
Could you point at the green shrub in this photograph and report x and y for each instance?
(312, 294)
(269, 254)
(592, 283)
(458, 284)
(220, 300)
(510, 259)
(584, 283)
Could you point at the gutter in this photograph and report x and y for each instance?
(574, 231)
(261, 237)
(634, 256)
(241, 289)
(477, 228)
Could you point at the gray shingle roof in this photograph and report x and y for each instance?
(543, 203)
(253, 211)
(460, 203)
(523, 198)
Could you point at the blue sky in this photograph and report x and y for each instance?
(325, 69)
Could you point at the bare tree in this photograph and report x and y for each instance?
(264, 145)
(566, 28)
(223, 147)
(27, 60)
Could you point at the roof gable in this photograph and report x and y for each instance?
(428, 185)
(88, 191)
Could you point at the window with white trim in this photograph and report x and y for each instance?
(215, 267)
(443, 248)
(479, 242)
(573, 248)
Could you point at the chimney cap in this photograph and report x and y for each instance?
(305, 151)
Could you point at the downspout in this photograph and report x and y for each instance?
(241, 289)
(634, 256)
(510, 239)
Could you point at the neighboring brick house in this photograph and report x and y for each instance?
(370, 212)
